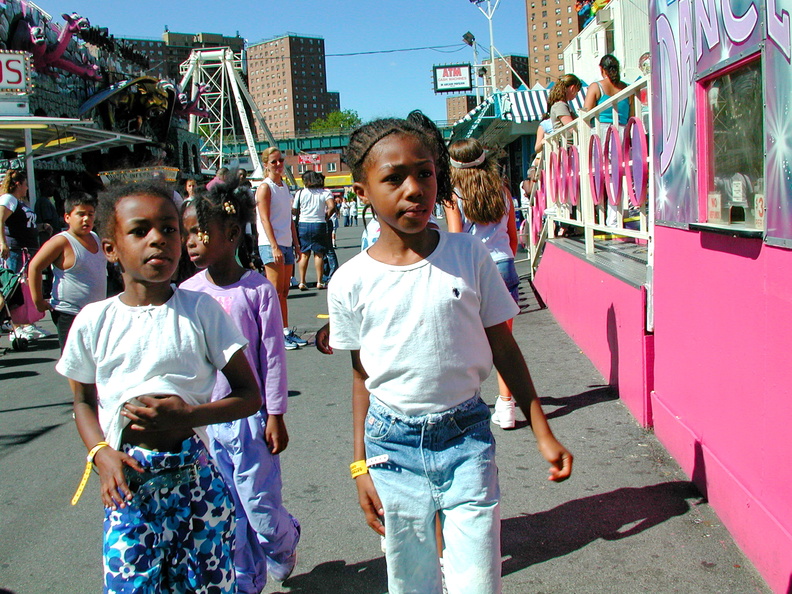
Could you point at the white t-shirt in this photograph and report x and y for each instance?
(312, 204)
(280, 215)
(420, 328)
(174, 348)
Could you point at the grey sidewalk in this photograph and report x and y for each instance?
(627, 521)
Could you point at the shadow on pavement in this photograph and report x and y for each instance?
(532, 539)
(569, 404)
(11, 441)
(6, 363)
(68, 404)
(366, 577)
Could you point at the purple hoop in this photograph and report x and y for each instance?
(614, 165)
(636, 167)
(596, 181)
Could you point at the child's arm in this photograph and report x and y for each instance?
(367, 494)
(275, 434)
(510, 363)
(171, 412)
(109, 462)
(453, 217)
(50, 253)
(323, 340)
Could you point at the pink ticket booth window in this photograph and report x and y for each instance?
(730, 107)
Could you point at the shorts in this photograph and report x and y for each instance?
(313, 237)
(508, 273)
(177, 532)
(265, 251)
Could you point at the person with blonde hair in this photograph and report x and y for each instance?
(277, 236)
(558, 101)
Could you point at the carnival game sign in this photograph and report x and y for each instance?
(14, 72)
(452, 78)
(696, 41)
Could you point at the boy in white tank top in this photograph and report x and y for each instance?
(78, 263)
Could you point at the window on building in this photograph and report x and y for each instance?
(332, 167)
(544, 14)
(558, 11)
(544, 25)
(558, 23)
(548, 69)
(732, 154)
(547, 46)
(561, 67)
(547, 58)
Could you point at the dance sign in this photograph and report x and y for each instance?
(693, 43)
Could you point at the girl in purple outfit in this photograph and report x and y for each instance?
(247, 450)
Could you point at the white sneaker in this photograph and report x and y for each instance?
(41, 332)
(504, 414)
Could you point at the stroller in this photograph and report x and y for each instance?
(12, 297)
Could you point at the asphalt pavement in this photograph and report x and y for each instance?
(627, 521)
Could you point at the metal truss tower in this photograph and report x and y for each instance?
(227, 100)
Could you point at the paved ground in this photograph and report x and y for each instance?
(628, 520)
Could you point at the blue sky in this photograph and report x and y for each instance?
(389, 84)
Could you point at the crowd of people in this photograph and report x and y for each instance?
(179, 376)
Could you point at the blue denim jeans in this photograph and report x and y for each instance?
(441, 462)
(509, 275)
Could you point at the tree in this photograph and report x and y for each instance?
(337, 120)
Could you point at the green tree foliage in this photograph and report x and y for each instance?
(346, 119)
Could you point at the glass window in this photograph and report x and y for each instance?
(733, 150)
(332, 167)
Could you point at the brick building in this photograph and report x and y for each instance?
(552, 24)
(288, 81)
(167, 54)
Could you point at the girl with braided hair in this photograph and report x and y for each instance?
(424, 314)
(246, 450)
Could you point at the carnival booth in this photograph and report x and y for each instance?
(687, 311)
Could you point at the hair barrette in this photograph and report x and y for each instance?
(203, 237)
(229, 208)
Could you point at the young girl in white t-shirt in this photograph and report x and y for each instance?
(424, 314)
(142, 366)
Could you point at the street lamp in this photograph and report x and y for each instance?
(469, 39)
(489, 14)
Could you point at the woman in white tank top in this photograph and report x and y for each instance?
(277, 236)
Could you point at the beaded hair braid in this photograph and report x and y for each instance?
(416, 124)
(224, 202)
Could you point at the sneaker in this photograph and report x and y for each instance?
(282, 571)
(38, 330)
(504, 413)
(7, 327)
(296, 339)
(26, 332)
(289, 344)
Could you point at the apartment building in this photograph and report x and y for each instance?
(166, 55)
(287, 79)
(552, 24)
(509, 70)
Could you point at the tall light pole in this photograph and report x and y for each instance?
(489, 14)
(469, 39)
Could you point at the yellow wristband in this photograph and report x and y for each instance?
(87, 472)
(358, 468)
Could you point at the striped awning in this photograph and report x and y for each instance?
(529, 106)
(510, 106)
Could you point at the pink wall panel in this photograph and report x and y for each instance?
(605, 318)
(723, 381)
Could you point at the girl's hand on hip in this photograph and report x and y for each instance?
(110, 464)
(370, 503)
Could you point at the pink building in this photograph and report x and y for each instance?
(690, 314)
